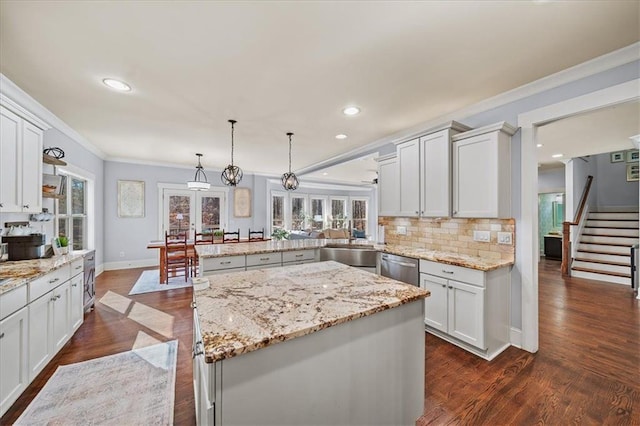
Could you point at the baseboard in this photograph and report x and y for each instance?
(99, 269)
(516, 337)
(130, 264)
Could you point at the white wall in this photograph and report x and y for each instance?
(551, 180)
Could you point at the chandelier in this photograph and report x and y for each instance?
(199, 182)
(289, 180)
(231, 175)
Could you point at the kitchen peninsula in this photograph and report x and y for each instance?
(317, 343)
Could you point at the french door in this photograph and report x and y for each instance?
(192, 211)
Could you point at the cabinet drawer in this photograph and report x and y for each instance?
(77, 266)
(217, 263)
(453, 272)
(264, 259)
(298, 255)
(12, 300)
(42, 285)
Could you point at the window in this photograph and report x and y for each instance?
(298, 214)
(359, 211)
(277, 212)
(317, 214)
(72, 212)
(338, 214)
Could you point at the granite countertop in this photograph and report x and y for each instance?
(244, 311)
(14, 274)
(473, 262)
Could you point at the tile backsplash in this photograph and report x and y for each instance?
(451, 235)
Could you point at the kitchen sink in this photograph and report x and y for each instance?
(352, 256)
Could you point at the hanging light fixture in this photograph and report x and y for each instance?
(231, 175)
(199, 182)
(289, 180)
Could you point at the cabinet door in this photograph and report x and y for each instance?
(409, 177)
(475, 176)
(466, 313)
(436, 305)
(10, 133)
(31, 168)
(435, 176)
(40, 334)
(388, 184)
(60, 316)
(76, 305)
(13, 358)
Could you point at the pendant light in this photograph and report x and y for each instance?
(289, 180)
(199, 182)
(231, 175)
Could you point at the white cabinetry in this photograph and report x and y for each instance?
(13, 357)
(249, 262)
(468, 307)
(388, 184)
(482, 172)
(20, 164)
(76, 309)
(424, 182)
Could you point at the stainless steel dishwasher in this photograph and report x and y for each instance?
(400, 268)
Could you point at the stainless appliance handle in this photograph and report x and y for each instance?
(408, 265)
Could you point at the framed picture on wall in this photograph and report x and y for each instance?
(130, 198)
(617, 157)
(633, 172)
(632, 156)
(242, 202)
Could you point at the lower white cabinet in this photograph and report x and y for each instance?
(13, 358)
(60, 316)
(468, 307)
(76, 311)
(250, 262)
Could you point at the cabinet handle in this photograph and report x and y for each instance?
(417, 212)
(225, 263)
(78, 267)
(74, 285)
(198, 349)
(444, 286)
(53, 298)
(1, 205)
(299, 255)
(1, 335)
(264, 258)
(54, 280)
(26, 206)
(193, 305)
(450, 286)
(447, 272)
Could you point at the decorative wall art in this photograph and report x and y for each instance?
(130, 198)
(241, 202)
(632, 156)
(633, 172)
(617, 157)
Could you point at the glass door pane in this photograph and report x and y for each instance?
(359, 216)
(178, 211)
(277, 212)
(211, 214)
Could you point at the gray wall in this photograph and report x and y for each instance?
(551, 180)
(611, 183)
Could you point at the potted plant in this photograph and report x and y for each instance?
(279, 234)
(63, 243)
(217, 234)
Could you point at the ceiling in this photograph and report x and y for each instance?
(596, 132)
(286, 66)
(360, 171)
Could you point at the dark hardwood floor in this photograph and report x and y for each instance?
(587, 370)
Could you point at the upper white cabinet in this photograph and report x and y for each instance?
(482, 172)
(424, 182)
(388, 194)
(20, 164)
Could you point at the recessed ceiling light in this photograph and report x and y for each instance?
(539, 145)
(351, 110)
(118, 85)
(341, 136)
(325, 173)
(557, 155)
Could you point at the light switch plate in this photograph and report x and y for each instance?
(482, 236)
(401, 230)
(505, 238)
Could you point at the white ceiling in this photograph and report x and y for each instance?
(360, 171)
(596, 132)
(286, 66)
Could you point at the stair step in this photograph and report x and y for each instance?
(598, 254)
(614, 215)
(623, 232)
(605, 248)
(595, 271)
(616, 262)
(601, 268)
(612, 224)
(616, 240)
(601, 277)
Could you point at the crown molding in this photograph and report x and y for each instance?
(594, 66)
(501, 126)
(322, 185)
(19, 97)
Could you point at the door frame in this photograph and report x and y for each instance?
(181, 186)
(527, 250)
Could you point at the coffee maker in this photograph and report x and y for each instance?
(23, 246)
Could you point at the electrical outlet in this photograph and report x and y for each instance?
(505, 238)
(482, 236)
(401, 230)
(121, 254)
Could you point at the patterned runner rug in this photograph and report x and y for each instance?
(130, 388)
(149, 281)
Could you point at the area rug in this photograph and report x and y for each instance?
(149, 281)
(130, 388)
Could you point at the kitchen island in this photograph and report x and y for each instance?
(318, 343)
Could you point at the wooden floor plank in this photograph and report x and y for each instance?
(587, 370)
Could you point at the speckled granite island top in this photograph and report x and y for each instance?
(245, 311)
(17, 273)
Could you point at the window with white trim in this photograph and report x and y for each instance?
(360, 216)
(338, 212)
(72, 211)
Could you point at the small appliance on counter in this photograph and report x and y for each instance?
(22, 243)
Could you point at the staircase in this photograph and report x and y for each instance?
(604, 251)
